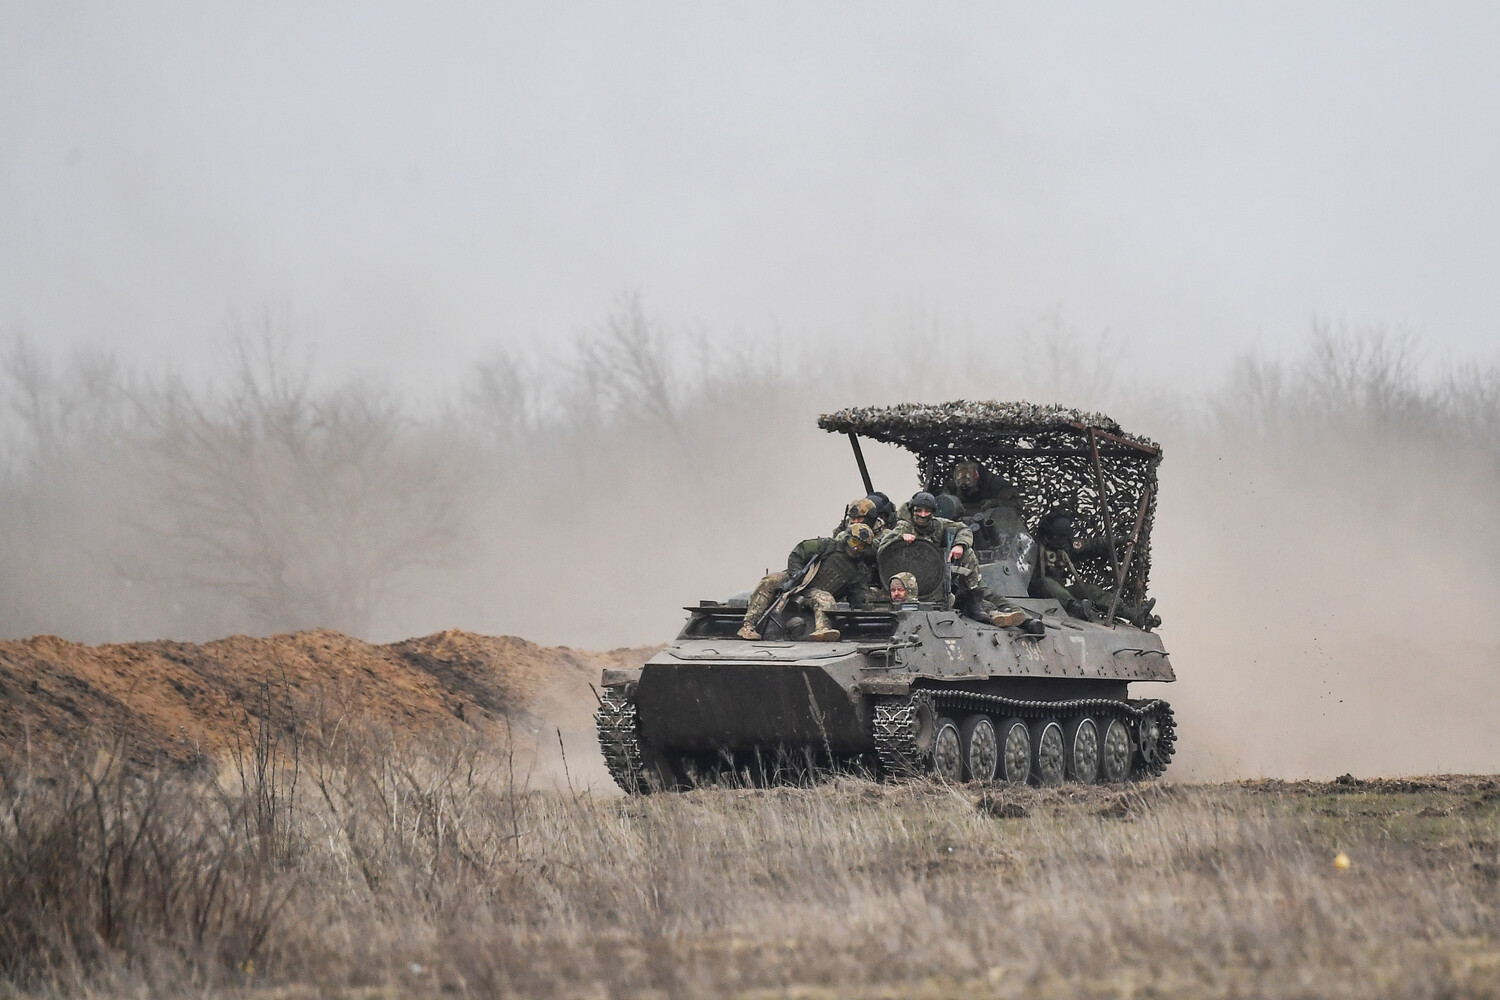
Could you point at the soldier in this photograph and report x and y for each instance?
(1056, 574)
(903, 589)
(978, 490)
(865, 510)
(989, 503)
(845, 569)
(970, 595)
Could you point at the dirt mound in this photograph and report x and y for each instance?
(189, 700)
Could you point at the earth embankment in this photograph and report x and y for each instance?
(188, 701)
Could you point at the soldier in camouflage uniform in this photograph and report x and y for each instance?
(978, 490)
(865, 510)
(902, 590)
(845, 570)
(969, 592)
(1056, 574)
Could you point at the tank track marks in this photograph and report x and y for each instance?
(897, 724)
(620, 742)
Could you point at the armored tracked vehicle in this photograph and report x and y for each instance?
(918, 688)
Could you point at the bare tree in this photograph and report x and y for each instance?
(49, 415)
(1470, 405)
(1065, 365)
(1256, 396)
(1370, 374)
(503, 400)
(627, 366)
(305, 507)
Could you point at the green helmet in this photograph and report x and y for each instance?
(859, 537)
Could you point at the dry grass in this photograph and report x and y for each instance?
(358, 867)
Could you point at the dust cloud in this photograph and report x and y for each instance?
(1324, 557)
(1330, 600)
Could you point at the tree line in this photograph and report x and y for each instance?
(578, 499)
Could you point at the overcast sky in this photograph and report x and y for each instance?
(415, 183)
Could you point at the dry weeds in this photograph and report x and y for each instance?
(355, 866)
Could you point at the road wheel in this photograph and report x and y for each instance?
(1047, 767)
(981, 748)
(1115, 751)
(1081, 749)
(947, 751)
(1015, 751)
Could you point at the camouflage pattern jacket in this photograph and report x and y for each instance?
(839, 573)
(935, 531)
(1056, 559)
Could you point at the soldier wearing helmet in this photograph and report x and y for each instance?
(865, 510)
(920, 522)
(845, 570)
(978, 490)
(885, 511)
(1056, 574)
(860, 511)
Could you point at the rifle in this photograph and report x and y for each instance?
(793, 586)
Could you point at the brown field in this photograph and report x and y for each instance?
(347, 864)
(311, 816)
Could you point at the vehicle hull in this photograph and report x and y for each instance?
(721, 695)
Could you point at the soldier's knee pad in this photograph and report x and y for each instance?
(821, 600)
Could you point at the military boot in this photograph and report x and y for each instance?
(822, 630)
(1084, 610)
(1138, 614)
(1008, 616)
(977, 608)
(747, 631)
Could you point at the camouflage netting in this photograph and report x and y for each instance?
(1045, 450)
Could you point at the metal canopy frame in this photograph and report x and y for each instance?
(1058, 456)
